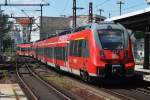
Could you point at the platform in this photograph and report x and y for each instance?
(11, 92)
(145, 72)
(140, 68)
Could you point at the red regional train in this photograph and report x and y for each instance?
(94, 50)
(24, 49)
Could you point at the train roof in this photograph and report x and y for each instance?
(24, 45)
(76, 29)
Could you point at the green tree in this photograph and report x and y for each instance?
(139, 35)
(5, 27)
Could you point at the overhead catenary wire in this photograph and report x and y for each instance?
(65, 7)
(101, 3)
(128, 8)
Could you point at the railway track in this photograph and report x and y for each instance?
(143, 90)
(106, 93)
(37, 87)
(123, 92)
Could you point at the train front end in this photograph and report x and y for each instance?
(115, 57)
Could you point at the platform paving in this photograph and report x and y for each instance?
(145, 72)
(11, 92)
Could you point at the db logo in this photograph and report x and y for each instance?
(75, 60)
(114, 56)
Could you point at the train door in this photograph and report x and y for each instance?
(78, 55)
(56, 51)
(81, 53)
(36, 52)
(66, 54)
(53, 55)
(85, 54)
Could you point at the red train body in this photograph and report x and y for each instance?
(94, 50)
(24, 49)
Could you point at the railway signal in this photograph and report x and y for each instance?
(90, 12)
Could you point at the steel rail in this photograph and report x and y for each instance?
(118, 94)
(47, 84)
(24, 83)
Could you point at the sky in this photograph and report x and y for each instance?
(64, 7)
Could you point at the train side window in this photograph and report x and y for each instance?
(59, 52)
(71, 48)
(54, 52)
(63, 53)
(44, 51)
(66, 53)
(49, 52)
(18, 48)
(85, 48)
(75, 52)
(79, 48)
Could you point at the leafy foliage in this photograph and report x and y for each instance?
(5, 27)
(139, 35)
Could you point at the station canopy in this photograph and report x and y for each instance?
(137, 20)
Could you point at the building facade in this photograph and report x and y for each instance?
(54, 25)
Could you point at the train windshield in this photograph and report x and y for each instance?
(111, 38)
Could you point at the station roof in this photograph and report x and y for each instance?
(137, 20)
